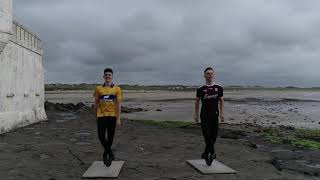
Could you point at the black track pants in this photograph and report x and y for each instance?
(210, 132)
(106, 124)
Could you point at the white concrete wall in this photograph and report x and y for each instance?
(21, 80)
(5, 15)
(5, 22)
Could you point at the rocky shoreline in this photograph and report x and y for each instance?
(81, 107)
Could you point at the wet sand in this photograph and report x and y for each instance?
(299, 109)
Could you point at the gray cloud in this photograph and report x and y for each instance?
(271, 43)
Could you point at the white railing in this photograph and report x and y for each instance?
(22, 34)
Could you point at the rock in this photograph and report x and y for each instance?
(81, 107)
(276, 163)
(49, 106)
(286, 127)
(253, 145)
(69, 106)
(258, 131)
(130, 110)
(301, 166)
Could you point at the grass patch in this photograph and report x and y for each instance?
(166, 124)
(301, 138)
(313, 134)
(309, 144)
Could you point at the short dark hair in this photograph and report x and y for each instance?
(208, 68)
(108, 70)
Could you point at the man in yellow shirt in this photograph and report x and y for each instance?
(107, 107)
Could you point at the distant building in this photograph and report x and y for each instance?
(21, 73)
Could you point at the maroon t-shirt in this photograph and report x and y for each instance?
(210, 96)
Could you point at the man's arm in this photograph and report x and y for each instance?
(221, 109)
(96, 104)
(96, 101)
(196, 109)
(118, 105)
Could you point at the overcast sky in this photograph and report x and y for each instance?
(248, 42)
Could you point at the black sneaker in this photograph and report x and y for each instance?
(107, 159)
(204, 156)
(210, 159)
(111, 157)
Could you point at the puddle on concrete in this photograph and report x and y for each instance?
(83, 133)
(82, 143)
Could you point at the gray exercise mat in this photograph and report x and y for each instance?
(215, 168)
(99, 170)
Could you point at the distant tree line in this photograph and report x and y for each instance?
(84, 86)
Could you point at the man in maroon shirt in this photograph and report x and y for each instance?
(211, 96)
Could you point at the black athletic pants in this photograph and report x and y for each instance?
(106, 124)
(210, 132)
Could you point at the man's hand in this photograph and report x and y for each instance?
(221, 118)
(118, 124)
(196, 110)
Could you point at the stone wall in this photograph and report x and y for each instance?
(21, 73)
(5, 22)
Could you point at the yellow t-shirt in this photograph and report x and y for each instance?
(107, 100)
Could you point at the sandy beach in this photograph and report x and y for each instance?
(299, 109)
